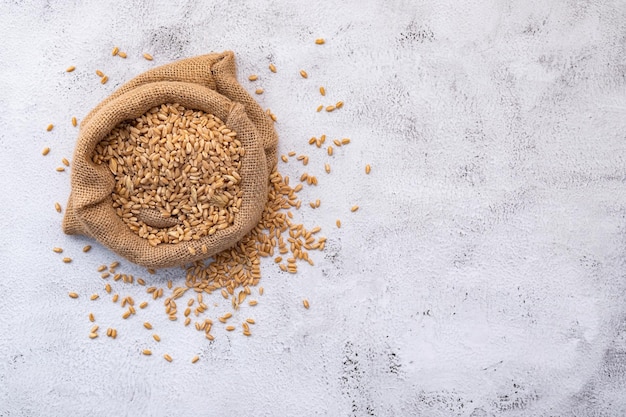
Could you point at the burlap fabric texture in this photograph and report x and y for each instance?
(206, 83)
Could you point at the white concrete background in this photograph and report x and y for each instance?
(484, 274)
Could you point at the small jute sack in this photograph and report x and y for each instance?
(205, 83)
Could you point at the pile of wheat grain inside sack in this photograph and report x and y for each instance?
(179, 165)
(173, 167)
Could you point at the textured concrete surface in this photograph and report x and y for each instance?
(482, 276)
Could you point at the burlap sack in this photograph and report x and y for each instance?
(206, 83)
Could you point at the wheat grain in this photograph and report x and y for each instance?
(205, 197)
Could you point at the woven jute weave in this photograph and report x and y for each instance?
(206, 83)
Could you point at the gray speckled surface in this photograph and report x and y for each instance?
(482, 276)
